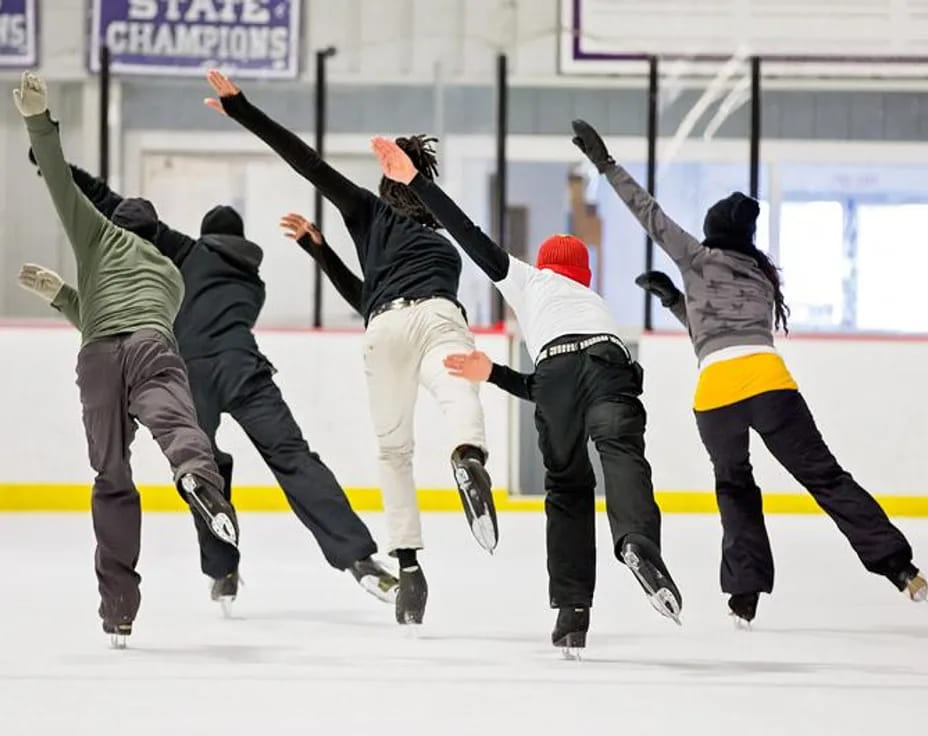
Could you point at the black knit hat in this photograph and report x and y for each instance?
(222, 220)
(734, 218)
(136, 215)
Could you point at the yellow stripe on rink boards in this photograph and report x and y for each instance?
(76, 497)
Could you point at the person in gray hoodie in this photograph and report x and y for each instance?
(732, 305)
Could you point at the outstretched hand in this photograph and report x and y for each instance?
(474, 366)
(395, 163)
(222, 86)
(660, 285)
(296, 226)
(40, 280)
(591, 144)
(31, 97)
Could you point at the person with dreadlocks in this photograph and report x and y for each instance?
(413, 319)
(585, 387)
(732, 305)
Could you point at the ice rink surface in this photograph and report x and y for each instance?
(834, 651)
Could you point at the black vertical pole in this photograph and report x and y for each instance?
(104, 168)
(502, 128)
(755, 126)
(321, 57)
(651, 176)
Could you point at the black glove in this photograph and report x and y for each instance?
(587, 140)
(660, 285)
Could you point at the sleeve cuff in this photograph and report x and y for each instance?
(419, 182)
(236, 105)
(495, 374)
(41, 123)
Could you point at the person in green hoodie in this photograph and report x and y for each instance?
(128, 367)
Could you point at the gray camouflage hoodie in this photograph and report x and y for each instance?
(729, 300)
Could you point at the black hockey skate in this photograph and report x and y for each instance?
(215, 510)
(743, 608)
(569, 633)
(117, 625)
(224, 591)
(375, 579)
(412, 596)
(475, 488)
(654, 578)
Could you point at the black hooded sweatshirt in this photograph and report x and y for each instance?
(223, 292)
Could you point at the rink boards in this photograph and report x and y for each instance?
(867, 394)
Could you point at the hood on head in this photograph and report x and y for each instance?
(566, 255)
(222, 220)
(138, 216)
(733, 218)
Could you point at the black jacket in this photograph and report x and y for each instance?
(223, 292)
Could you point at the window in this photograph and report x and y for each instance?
(813, 262)
(892, 260)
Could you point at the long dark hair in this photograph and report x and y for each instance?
(420, 148)
(770, 270)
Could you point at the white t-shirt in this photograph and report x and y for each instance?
(549, 306)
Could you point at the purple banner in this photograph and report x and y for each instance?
(246, 38)
(18, 33)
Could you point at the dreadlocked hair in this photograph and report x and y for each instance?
(420, 148)
(769, 269)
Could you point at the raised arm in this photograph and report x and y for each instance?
(396, 165)
(351, 200)
(83, 224)
(476, 366)
(675, 241)
(298, 228)
(660, 285)
(172, 243)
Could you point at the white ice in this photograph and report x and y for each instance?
(834, 651)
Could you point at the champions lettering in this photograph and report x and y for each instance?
(178, 40)
(12, 31)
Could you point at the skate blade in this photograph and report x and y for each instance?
(371, 583)
(484, 533)
(917, 589)
(225, 603)
(741, 624)
(663, 600)
(572, 653)
(224, 529)
(118, 641)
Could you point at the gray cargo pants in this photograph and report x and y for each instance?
(122, 379)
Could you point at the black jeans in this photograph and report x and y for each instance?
(240, 383)
(582, 396)
(785, 424)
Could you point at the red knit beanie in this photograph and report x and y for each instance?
(566, 255)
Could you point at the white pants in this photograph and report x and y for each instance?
(402, 349)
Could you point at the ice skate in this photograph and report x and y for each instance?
(916, 587)
(475, 488)
(569, 633)
(654, 578)
(742, 608)
(216, 511)
(119, 625)
(224, 591)
(375, 579)
(412, 596)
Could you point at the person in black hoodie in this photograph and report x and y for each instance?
(223, 297)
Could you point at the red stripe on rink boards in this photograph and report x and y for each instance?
(39, 324)
(810, 336)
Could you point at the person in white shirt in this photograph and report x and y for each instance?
(585, 386)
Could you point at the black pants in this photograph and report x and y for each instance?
(784, 423)
(124, 379)
(240, 383)
(582, 396)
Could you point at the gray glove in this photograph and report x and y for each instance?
(588, 140)
(32, 96)
(660, 285)
(40, 280)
